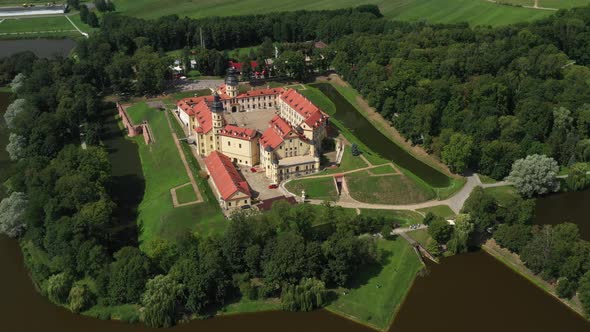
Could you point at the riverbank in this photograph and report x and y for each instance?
(513, 261)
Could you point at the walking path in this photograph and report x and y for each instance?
(75, 26)
(455, 202)
(186, 167)
(535, 6)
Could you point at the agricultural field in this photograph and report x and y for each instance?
(53, 25)
(475, 12)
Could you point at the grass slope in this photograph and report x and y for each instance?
(439, 210)
(380, 290)
(475, 12)
(388, 189)
(163, 170)
(318, 188)
(403, 217)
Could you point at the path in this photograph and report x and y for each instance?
(186, 167)
(34, 32)
(75, 26)
(455, 202)
(534, 6)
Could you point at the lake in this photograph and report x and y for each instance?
(42, 47)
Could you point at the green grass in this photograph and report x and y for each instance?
(163, 170)
(503, 194)
(550, 3)
(380, 290)
(36, 24)
(476, 12)
(439, 210)
(421, 236)
(486, 179)
(186, 94)
(185, 194)
(245, 305)
(385, 169)
(318, 188)
(403, 217)
(125, 312)
(389, 189)
(348, 163)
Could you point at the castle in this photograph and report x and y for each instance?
(286, 143)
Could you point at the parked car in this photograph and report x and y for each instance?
(273, 186)
(253, 170)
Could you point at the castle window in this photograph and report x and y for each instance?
(240, 146)
(229, 203)
(228, 143)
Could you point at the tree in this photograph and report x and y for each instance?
(457, 153)
(84, 13)
(354, 150)
(17, 83)
(577, 178)
(79, 298)
(160, 301)
(517, 211)
(308, 295)
(566, 288)
(513, 237)
(584, 292)
(12, 212)
(13, 110)
(128, 275)
(58, 287)
(462, 231)
(16, 146)
(534, 175)
(497, 158)
(292, 64)
(284, 259)
(482, 207)
(345, 254)
(440, 230)
(74, 3)
(92, 20)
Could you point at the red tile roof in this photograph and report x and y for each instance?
(278, 130)
(239, 132)
(312, 115)
(225, 175)
(199, 108)
(238, 65)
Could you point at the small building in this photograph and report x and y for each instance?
(232, 189)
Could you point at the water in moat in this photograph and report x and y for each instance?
(571, 207)
(348, 115)
(42, 47)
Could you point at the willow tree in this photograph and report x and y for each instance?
(160, 300)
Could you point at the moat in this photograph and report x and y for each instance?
(471, 292)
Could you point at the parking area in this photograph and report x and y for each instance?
(259, 184)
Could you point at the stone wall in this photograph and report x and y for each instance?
(134, 130)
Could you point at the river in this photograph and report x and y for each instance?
(347, 114)
(42, 47)
(571, 206)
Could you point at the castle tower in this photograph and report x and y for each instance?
(231, 83)
(216, 108)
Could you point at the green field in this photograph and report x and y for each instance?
(403, 217)
(476, 12)
(388, 189)
(185, 194)
(421, 236)
(163, 170)
(503, 194)
(550, 3)
(380, 290)
(440, 210)
(318, 188)
(348, 163)
(45, 25)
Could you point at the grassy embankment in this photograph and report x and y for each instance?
(56, 26)
(402, 188)
(317, 188)
(475, 12)
(402, 217)
(163, 170)
(379, 291)
(439, 210)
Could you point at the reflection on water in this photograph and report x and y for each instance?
(44, 48)
(571, 207)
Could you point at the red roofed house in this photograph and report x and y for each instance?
(232, 188)
(290, 146)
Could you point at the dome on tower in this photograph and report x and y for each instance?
(231, 78)
(216, 106)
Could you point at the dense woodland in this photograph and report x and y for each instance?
(479, 98)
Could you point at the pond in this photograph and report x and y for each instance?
(364, 130)
(42, 47)
(570, 206)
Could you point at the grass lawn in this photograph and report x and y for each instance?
(125, 312)
(550, 3)
(440, 210)
(503, 194)
(44, 23)
(380, 290)
(318, 188)
(163, 170)
(389, 189)
(245, 305)
(385, 169)
(403, 217)
(421, 236)
(486, 179)
(476, 12)
(185, 194)
(186, 94)
(348, 163)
